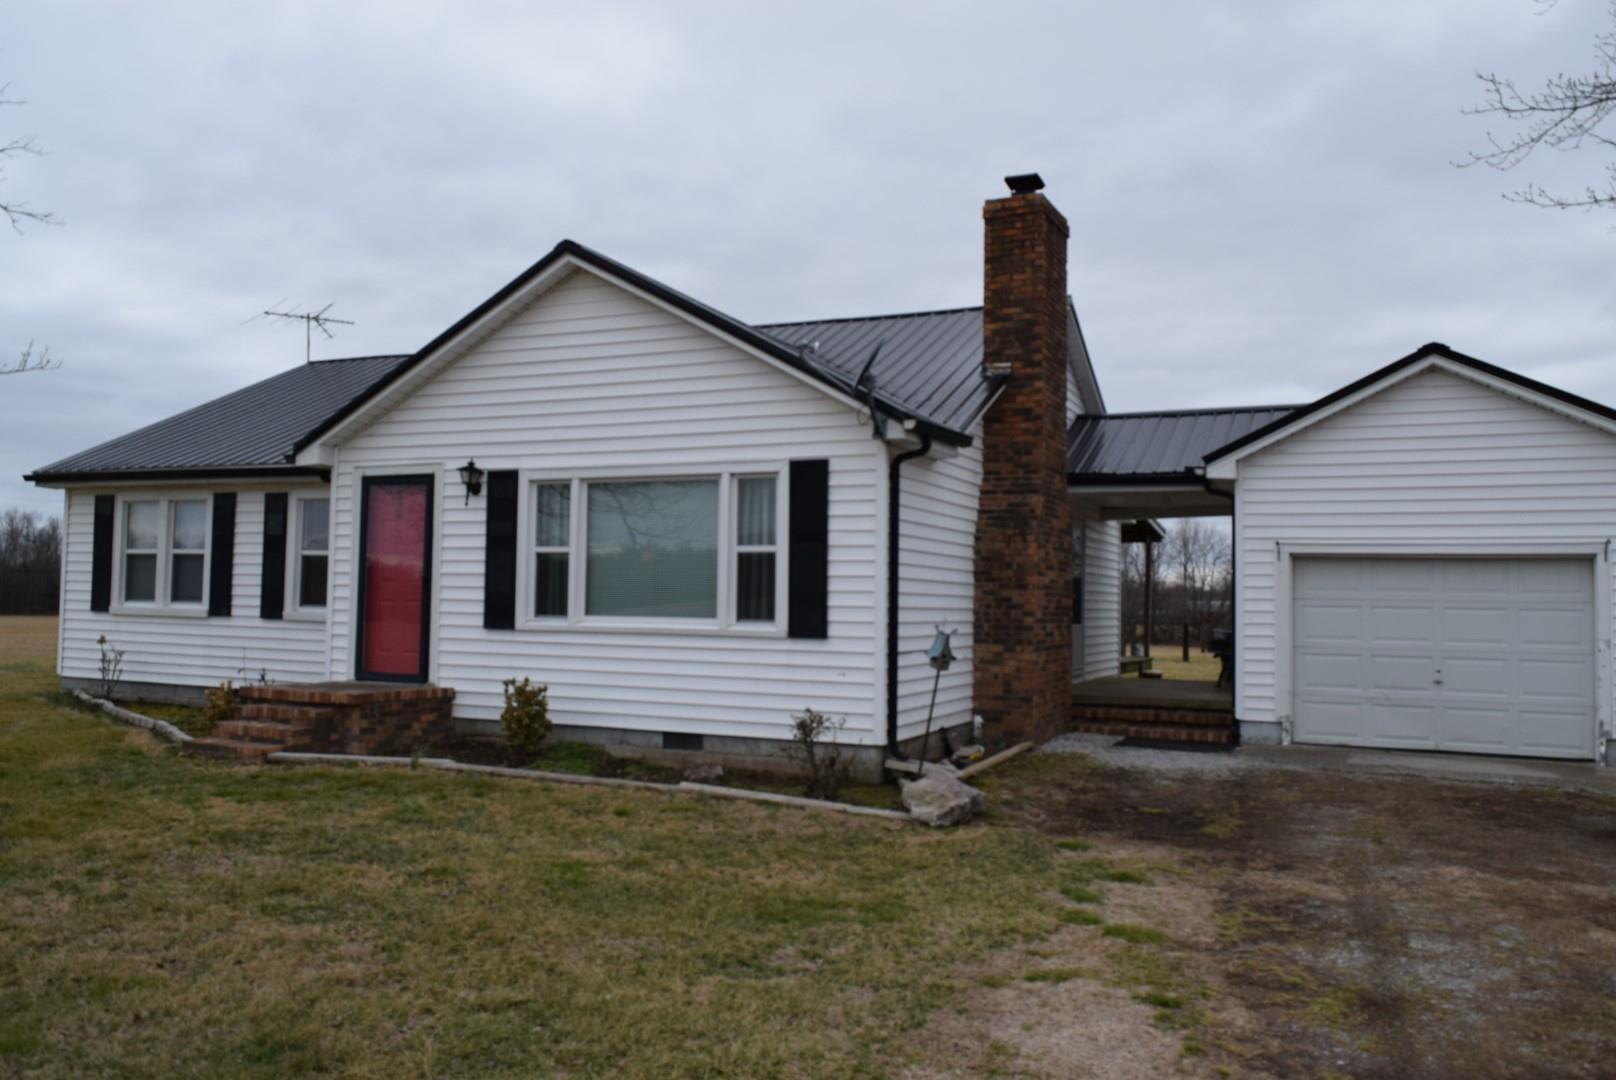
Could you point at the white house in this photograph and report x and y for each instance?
(691, 527)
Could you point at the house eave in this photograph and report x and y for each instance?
(134, 477)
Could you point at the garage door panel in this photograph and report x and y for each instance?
(1477, 730)
(1336, 721)
(1553, 680)
(1406, 577)
(1481, 655)
(1401, 623)
(1558, 626)
(1554, 577)
(1492, 676)
(1325, 672)
(1472, 625)
(1393, 672)
(1406, 724)
(1553, 734)
(1480, 577)
(1325, 622)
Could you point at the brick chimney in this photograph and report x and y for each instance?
(1022, 665)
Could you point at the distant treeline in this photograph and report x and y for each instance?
(30, 563)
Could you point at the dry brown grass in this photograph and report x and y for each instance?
(168, 917)
(27, 639)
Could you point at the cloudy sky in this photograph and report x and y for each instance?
(1260, 193)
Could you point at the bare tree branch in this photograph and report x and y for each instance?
(19, 212)
(30, 362)
(1566, 113)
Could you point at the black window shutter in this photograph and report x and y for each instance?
(809, 554)
(223, 556)
(101, 553)
(272, 587)
(499, 560)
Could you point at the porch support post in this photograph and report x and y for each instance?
(1150, 589)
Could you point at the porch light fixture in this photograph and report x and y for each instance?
(472, 477)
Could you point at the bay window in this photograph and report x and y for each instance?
(164, 561)
(704, 550)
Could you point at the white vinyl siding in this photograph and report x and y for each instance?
(937, 584)
(190, 649)
(1437, 464)
(1074, 398)
(1098, 649)
(591, 381)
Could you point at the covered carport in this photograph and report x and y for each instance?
(1133, 468)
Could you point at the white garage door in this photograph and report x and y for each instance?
(1490, 656)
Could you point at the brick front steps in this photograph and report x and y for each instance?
(1125, 721)
(339, 717)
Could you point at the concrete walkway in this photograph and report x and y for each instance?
(1532, 772)
(1464, 768)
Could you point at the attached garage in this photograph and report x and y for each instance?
(1423, 562)
(1491, 656)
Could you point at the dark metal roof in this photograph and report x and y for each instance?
(930, 361)
(250, 429)
(1156, 446)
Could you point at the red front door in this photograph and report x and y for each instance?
(395, 570)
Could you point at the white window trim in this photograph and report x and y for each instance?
(161, 605)
(724, 623)
(294, 560)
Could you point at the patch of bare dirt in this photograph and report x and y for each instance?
(1369, 926)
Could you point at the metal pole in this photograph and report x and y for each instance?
(1150, 600)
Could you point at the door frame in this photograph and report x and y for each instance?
(1597, 551)
(428, 483)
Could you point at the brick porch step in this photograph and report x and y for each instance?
(1222, 736)
(287, 735)
(244, 750)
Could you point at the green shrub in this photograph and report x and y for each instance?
(526, 718)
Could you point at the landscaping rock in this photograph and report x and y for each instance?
(708, 773)
(940, 799)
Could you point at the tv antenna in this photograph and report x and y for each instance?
(311, 320)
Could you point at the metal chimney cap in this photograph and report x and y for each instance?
(1025, 183)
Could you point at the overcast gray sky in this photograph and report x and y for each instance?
(1260, 194)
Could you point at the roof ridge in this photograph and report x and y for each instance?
(368, 356)
(1190, 412)
(871, 318)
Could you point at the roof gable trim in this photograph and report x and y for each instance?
(1221, 464)
(564, 259)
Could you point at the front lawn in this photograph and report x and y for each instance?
(170, 917)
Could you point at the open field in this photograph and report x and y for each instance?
(27, 639)
(1202, 666)
(171, 917)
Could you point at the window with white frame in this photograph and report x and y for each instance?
(141, 521)
(552, 548)
(756, 549)
(703, 548)
(312, 556)
(165, 552)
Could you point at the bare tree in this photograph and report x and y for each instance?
(1565, 113)
(30, 563)
(19, 213)
(30, 361)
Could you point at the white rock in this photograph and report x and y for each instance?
(940, 799)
